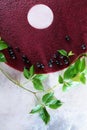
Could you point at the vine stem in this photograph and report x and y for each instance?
(16, 82)
(52, 88)
(29, 79)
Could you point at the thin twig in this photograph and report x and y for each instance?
(52, 88)
(30, 79)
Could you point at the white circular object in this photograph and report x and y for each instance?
(40, 16)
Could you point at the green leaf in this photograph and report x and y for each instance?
(83, 65)
(31, 71)
(70, 53)
(36, 109)
(77, 64)
(50, 101)
(70, 72)
(37, 84)
(26, 73)
(60, 79)
(85, 71)
(63, 52)
(83, 78)
(54, 104)
(2, 57)
(3, 45)
(76, 78)
(45, 115)
(47, 97)
(74, 69)
(66, 86)
(80, 64)
(41, 77)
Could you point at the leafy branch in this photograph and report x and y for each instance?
(48, 100)
(35, 78)
(76, 72)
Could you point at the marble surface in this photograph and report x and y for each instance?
(15, 104)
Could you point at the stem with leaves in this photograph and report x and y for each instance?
(76, 72)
